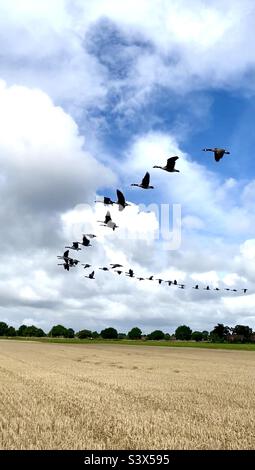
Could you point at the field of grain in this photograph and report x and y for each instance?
(56, 396)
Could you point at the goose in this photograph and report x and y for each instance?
(216, 288)
(116, 265)
(175, 283)
(140, 278)
(91, 275)
(196, 287)
(244, 290)
(169, 282)
(150, 278)
(104, 268)
(145, 184)
(121, 201)
(66, 265)
(74, 247)
(119, 272)
(108, 221)
(90, 235)
(234, 290)
(130, 273)
(218, 153)
(73, 262)
(169, 166)
(159, 280)
(181, 286)
(86, 265)
(65, 256)
(85, 241)
(107, 201)
(207, 288)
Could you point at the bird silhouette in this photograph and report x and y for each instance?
(169, 282)
(75, 246)
(218, 153)
(66, 265)
(196, 287)
(91, 275)
(130, 273)
(121, 201)
(145, 184)
(244, 290)
(170, 165)
(85, 241)
(104, 268)
(119, 272)
(150, 278)
(86, 265)
(116, 265)
(207, 288)
(107, 201)
(108, 221)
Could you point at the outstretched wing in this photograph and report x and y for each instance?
(66, 254)
(85, 240)
(107, 201)
(107, 217)
(146, 180)
(121, 199)
(171, 162)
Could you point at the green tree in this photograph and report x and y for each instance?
(156, 335)
(69, 333)
(83, 334)
(3, 328)
(242, 332)
(183, 332)
(167, 337)
(109, 333)
(197, 335)
(135, 333)
(11, 331)
(22, 331)
(219, 333)
(95, 334)
(205, 335)
(57, 331)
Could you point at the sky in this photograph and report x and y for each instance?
(93, 95)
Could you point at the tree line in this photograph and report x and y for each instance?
(219, 334)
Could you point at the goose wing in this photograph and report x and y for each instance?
(146, 180)
(171, 162)
(121, 199)
(107, 217)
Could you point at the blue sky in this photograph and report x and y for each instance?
(92, 95)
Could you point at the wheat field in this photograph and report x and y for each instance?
(56, 396)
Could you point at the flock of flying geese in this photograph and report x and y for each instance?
(69, 262)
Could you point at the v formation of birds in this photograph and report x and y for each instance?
(69, 262)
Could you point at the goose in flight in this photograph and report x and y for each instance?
(130, 273)
(91, 275)
(181, 286)
(90, 235)
(66, 265)
(159, 280)
(65, 256)
(207, 288)
(107, 201)
(244, 291)
(150, 278)
(73, 262)
(116, 265)
(145, 184)
(196, 287)
(104, 268)
(108, 221)
(86, 265)
(175, 283)
(85, 241)
(74, 247)
(170, 165)
(140, 278)
(118, 272)
(216, 288)
(121, 201)
(218, 153)
(169, 282)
